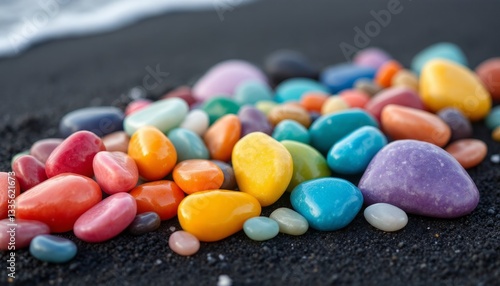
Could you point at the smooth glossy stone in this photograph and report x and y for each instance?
(116, 142)
(284, 64)
(442, 50)
(106, 219)
(183, 243)
(221, 137)
(153, 153)
(468, 152)
(59, 201)
(74, 155)
(229, 182)
(162, 197)
(353, 153)
(343, 76)
(253, 120)
(334, 104)
(328, 203)
(492, 121)
(9, 190)
(371, 57)
(292, 89)
(137, 105)
(217, 106)
(54, 249)
(197, 175)
(447, 84)
(258, 155)
(250, 92)
(261, 228)
(313, 101)
(183, 92)
(355, 98)
(115, 172)
(188, 144)
(289, 111)
(144, 223)
(291, 130)
(101, 120)
(329, 129)
(18, 155)
(289, 221)
(17, 233)
(367, 86)
(386, 72)
(386, 217)
(29, 172)
(165, 114)
(420, 178)
(265, 106)
(308, 163)
(197, 121)
(225, 77)
(405, 78)
(400, 122)
(460, 126)
(215, 215)
(42, 149)
(489, 73)
(395, 95)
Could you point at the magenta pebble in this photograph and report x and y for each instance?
(29, 172)
(23, 232)
(41, 149)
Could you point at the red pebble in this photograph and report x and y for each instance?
(489, 73)
(29, 171)
(355, 98)
(182, 92)
(136, 105)
(9, 190)
(115, 172)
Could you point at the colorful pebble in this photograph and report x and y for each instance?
(405, 78)
(367, 86)
(334, 104)
(495, 135)
(355, 98)
(284, 64)
(144, 223)
(188, 144)
(460, 126)
(291, 130)
(183, 243)
(386, 72)
(42, 149)
(443, 50)
(289, 111)
(9, 191)
(261, 228)
(197, 175)
(229, 182)
(386, 217)
(371, 57)
(183, 92)
(313, 101)
(218, 106)
(489, 73)
(289, 221)
(253, 120)
(29, 172)
(343, 76)
(115, 172)
(54, 249)
(17, 234)
(492, 121)
(395, 95)
(197, 121)
(250, 92)
(221, 137)
(293, 89)
(101, 120)
(162, 197)
(116, 141)
(137, 105)
(468, 152)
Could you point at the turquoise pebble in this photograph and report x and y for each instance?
(343, 76)
(261, 228)
(443, 50)
(165, 114)
(218, 106)
(188, 144)
(329, 129)
(50, 248)
(250, 92)
(291, 130)
(293, 89)
(327, 203)
(353, 153)
(492, 121)
(101, 120)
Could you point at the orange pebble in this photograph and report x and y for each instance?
(313, 101)
(153, 153)
(468, 152)
(355, 98)
(386, 72)
(221, 137)
(197, 175)
(162, 197)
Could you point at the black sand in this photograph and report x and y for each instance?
(40, 86)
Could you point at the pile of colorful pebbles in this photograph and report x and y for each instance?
(213, 155)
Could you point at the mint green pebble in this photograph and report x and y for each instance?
(261, 228)
(14, 158)
(290, 221)
(188, 144)
(165, 114)
(250, 92)
(218, 106)
(291, 130)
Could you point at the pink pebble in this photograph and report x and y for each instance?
(116, 141)
(115, 172)
(43, 148)
(183, 243)
(106, 219)
(393, 95)
(371, 57)
(29, 172)
(136, 105)
(25, 231)
(74, 155)
(182, 92)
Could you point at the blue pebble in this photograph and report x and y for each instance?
(188, 144)
(343, 76)
(329, 129)
(293, 89)
(101, 120)
(492, 121)
(353, 153)
(327, 203)
(250, 92)
(291, 130)
(52, 248)
(443, 50)
(261, 228)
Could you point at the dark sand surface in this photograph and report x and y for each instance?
(40, 86)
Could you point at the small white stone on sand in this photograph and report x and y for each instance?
(386, 217)
(495, 158)
(224, 280)
(172, 228)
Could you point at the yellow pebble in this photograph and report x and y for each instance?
(263, 167)
(334, 104)
(496, 134)
(405, 78)
(215, 215)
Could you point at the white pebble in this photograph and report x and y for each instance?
(197, 121)
(224, 280)
(495, 158)
(386, 217)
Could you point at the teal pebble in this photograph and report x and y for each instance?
(293, 89)
(188, 145)
(353, 153)
(261, 228)
(328, 203)
(291, 130)
(443, 50)
(218, 106)
(250, 92)
(52, 248)
(492, 121)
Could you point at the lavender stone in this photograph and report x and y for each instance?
(460, 126)
(253, 120)
(421, 179)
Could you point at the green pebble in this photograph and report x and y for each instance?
(290, 221)
(219, 106)
(291, 130)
